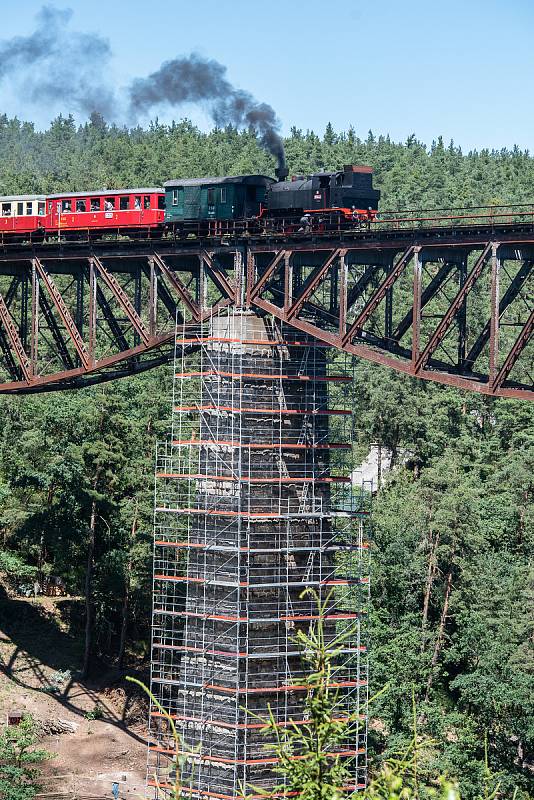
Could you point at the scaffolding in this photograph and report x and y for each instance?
(253, 505)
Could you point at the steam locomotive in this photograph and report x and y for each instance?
(202, 206)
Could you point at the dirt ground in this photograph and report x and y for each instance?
(38, 664)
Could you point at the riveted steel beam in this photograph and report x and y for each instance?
(123, 300)
(63, 312)
(440, 332)
(379, 295)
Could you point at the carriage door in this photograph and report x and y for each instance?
(210, 203)
(177, 201)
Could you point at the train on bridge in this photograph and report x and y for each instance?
(206, 206)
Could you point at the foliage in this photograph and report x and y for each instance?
(95, 713)
(15, 569)
(306, 753)
(19, 761)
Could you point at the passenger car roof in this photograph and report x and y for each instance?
(215, 181)
(12, 197)
(102, 192)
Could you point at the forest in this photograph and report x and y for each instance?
(452, 576)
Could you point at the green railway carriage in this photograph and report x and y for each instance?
(234, 197)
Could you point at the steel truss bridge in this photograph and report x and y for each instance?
(439, 301)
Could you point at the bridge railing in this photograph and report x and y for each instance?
(455, 217)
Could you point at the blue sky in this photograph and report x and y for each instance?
(464, 70)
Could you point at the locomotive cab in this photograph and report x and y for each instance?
(321, 190)
(341, 191)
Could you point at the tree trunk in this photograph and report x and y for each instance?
(127, 588)
(439, 640)
(431, 574)
(88, 594)
(124, 621)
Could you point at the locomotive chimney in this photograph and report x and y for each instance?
(281, 173)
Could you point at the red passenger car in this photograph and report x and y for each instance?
(23, 213)
(130, 209)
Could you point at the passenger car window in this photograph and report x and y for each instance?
(66, 205)
(137, 203)
(161, 202)
(211, 197)
(147, 201)
(81, 206)
(41, 209)
(223, 194)
(6, 209)
(29, 209)
(95, 203)
(124, 203)
(20, 209)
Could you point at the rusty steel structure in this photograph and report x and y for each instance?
(445, 302)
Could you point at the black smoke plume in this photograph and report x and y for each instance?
(55, 64)
(194, 79)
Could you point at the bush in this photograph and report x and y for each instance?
(96, 713)
(16, 570)
(19, 760)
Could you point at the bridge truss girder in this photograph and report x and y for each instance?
(459, 312)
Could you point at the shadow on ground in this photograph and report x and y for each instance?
(33, 647)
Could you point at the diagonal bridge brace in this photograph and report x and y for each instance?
(312, 281)
(54, 328)
(123, 300)
(517, 348)
(64, 313)
(426, 296)
(440, 332)
(379, 295)
(182, 290)
(14, 338)
(12, 368)
(508, 297)
(271, 269)
(224, 284)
